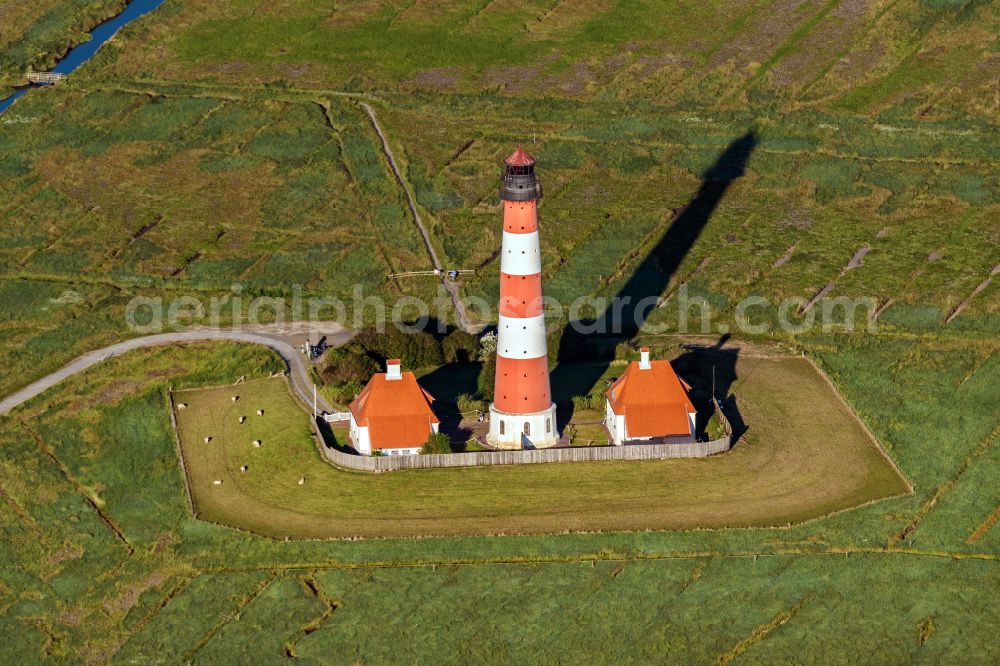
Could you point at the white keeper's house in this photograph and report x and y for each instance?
(649, 402)
(392, 414)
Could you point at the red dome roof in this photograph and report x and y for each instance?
(519, 158)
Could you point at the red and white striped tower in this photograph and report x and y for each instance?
(522, 414)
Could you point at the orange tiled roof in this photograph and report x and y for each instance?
(397, 412)
(654, 402)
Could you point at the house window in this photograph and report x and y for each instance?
(502, 429)
(527, 429)
(548, 425)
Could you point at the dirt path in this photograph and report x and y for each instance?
(456, 299)
(265, 335)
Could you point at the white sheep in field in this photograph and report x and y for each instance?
(243, 469)
(208, 439)
(302, 480)
(217, 482)
(256, 443)
(182, 405)
(260, 412)
(242, 419)
(235, 398)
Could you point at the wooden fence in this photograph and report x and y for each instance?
(529, 457)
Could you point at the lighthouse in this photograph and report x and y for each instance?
(522, 414)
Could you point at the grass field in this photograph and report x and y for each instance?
(213, 143)
(804, 456)
(104, 561)
(186, 157)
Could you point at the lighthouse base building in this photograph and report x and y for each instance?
(523, 431)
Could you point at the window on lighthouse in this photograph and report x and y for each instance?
(527, 429)
(502, 429)
(548, 425)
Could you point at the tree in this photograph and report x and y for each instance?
(438, 442)
(415, 349)
(486, 383)
(460, 347)
(488, 345)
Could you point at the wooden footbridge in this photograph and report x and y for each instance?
(451, 274)
(44, 78)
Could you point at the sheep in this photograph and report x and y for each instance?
(260, 412)
(256, 443)
(302, 480)
(182, 405)
(242, 419)
(208, 439)
(243, 469)
(235, 398)
(217, 482)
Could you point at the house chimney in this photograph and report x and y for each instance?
(392, 369)
(644, 358)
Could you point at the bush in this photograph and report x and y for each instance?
(594, 401)
(348, 365)
(438, 442)
(467, 404)
(714, 429)
(624, 351)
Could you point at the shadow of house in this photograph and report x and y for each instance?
(632, 305)
(447, 383)
(712, 369)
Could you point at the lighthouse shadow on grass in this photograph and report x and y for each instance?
(639, 294)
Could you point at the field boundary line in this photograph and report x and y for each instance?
(68, 476)
(180, 453)
(787, 46)
(23, 514)
(873, 551)
(968, 301)
(174, 591)
(760, 633)
(866, 30)
(864, 426)
(316, 589)
(229, 617)
(239, 92)
(945, 487)
(984, 526)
